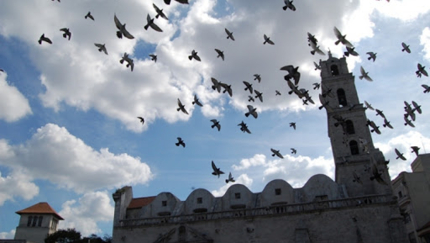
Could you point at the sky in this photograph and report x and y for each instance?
(69, 132)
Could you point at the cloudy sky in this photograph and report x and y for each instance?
(69, 132)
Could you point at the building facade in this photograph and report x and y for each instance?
(413, 191)
(358, 206)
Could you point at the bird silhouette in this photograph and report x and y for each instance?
(350, 51)
(196, 101)
(426, 88)
(250, 99)
(181, 107)
(364, 74)
(89, 16)
(316, 49)
(194, 55)
(248, 87)
(220, 54)
(216, 85)
(45, 39)
(150, 23)
(216, 171)
(293, 73)
(341, 38)
(229, 34)
(277, 153)
(102, 48)
(244, 127)
(293, 151)
(288, 5)
(180, 142)
(159, 12)
(406, 47)
(293, 125)
(122, 31)
(251, 111)
(372, 55)
(399, 155)
(179, 1)
(415, 150)
(257, 77)
(67, 33)
(130, 62)
(421, 70)
(230, 178)
(153, 57)
(258, 95)
(267, 40)
(141, 119)
(215, 123)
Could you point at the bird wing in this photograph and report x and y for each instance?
(337, 33)
(197, 57)
(270, 42)
(117, 23)
(155, 27)
(214, 167)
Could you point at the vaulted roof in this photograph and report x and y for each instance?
(40, 208)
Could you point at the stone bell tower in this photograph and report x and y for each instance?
(359, 165)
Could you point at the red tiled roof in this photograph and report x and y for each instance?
(39, 208)
(140, 202)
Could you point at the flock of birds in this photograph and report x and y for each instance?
(292, 79)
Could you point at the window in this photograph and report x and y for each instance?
(400, 194)
(34, 221)
(341, 97)
(278, 191)
(199, 200)
(321, 198)
(39, 223)
(54, 224)
(29, 220)
(237, 195)
(349, 127)
(334, 70)
(353, 145)
(164, 203)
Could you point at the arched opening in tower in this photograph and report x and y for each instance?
(353, 146)
(341, 97)
(334, 70)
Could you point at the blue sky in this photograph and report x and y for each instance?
(69, 133)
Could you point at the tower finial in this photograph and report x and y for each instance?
(329, 54)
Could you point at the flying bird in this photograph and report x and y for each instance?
(45, 39)
(399, 155)
(415, 149)
(251, 111)
(293, 125)
(416, 107)
(293, 151)
(67, 33)
(179, 1)
(426, 88)
(220, 54)
(122, 31)
(250, 99)
(376, 175)
(129, 61)
(227, 88)
(368, 106)
(350, 51)
(230, 178)
(356, 178)
(277, 153)
(372, 55)
(181, 107)
(316, 85)
(317, 66)
(257, 77)
(288, 5)
(229, 34)
(89, 16)
(196, 101)
(267, 40)
(180, 142)
(159, 12)
(364, 74)
(277, 92)
(215, 123)
(373, 126)
(380, 113)
(259, 95)
(102, 48)
(216, 171)
(421, 70)
(150, 23)
(141, 119)
(341, 38)
(244, 127)
(409, 111)
(406, 47)
(316, 49)
(248, 87)
(216, 85)
(194, 55)
(407, 121)
(387, 124)
(293, 73)
(153, 57)
(312, 39)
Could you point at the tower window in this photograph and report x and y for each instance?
(39, 223)
(400, 194)
(29, 220)
(341, 97)
(353, 145)
(334, 70)
(164, 203)
(278, 191)
(237, 195)
(349, 127)
(199, 200)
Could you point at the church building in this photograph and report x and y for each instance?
(358, 206)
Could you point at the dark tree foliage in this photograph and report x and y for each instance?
(73, 236)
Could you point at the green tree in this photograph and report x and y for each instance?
(64, 236)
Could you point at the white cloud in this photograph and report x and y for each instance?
(7, 235)
(56, 155)
(15, 185)
(13, 104)
(405, 10)
(258, 159)
(425, 42)
(243, 179)
(84, 214)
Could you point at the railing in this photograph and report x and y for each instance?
(262, 211)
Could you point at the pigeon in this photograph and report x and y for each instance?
(153, 57)
(194, 55)
(426, 88)
(248, 87)
(216, 85)
(293, 151)
(277, 153)
(364, 74)
(257, 77)
(312, 39)
(122, 31)
(181, 107)
(399, 155)
(316, 85)
(250, 99)
(373, 125)
(220, 54)
(409, 111)
(251, 111)
(317, 66)
(229, 34)
(368, 106)
(316, 49)
(406, 47)
(372, 55)
(159, 12)
(277, 92)
(129, 61)
(407, 121)
(179, 1)
(267, 40)
(289, 5)
(350, 51)
(180, 142)
(216, 124)
(102, 48)
(292, 73)
(150, 23)
(196, 101)
(356, 178)
(259, 95)
(415, 149)
(364, 144)
(293, 125)
(89, 16)
(324, 103)
(216, 171)
(230, 178)
(45, 39)
(416, 107)
(380, 113)
(421, 70)
(244, 127)
(227, 88)
(387, 124)
(141, 119)
(376, 175)
(341, 38)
